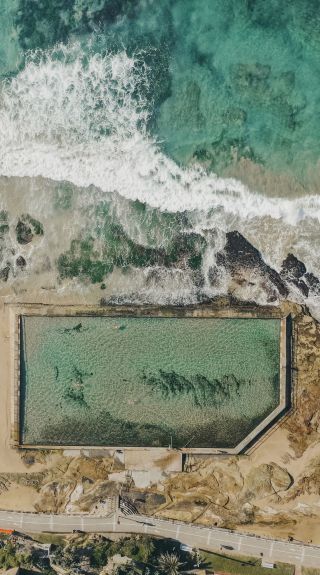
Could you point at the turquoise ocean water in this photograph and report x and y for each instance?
(238, 77)
(134, 134)
(147, 130)
(145, 381)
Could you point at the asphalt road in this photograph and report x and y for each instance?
(200, 537)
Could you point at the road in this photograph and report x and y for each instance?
(200, 537)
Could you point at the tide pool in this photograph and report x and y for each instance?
(142, 381)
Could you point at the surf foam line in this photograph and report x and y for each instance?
(83, 118)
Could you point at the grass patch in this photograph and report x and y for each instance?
(51, 538)
(241, 565)
(310, 571)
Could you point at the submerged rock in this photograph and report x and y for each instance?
(4, 226)
(21, 262)
(4, 272)
(26, 228)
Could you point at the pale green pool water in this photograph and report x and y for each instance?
(139, 381)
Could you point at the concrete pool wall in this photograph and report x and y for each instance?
(201, 311)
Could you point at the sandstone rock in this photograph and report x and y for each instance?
(54, 495)
(99, 491)
(264, 480)
(95, 468)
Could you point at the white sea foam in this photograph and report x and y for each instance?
(83, 118)
(68, 116)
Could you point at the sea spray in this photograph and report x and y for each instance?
(77, 117)
(81, 117)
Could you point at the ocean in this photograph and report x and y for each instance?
(137, 133)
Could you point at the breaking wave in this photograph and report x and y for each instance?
(82, 117)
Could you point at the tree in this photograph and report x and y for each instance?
(196, 557)
(100, 553)
(146, 549)
(139, 548)
(125, 570)
(169, 563)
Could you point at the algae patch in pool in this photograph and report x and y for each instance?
(140, 381)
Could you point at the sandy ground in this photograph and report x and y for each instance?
(275, 446)
(19, 498)
(10, 460)
(308, 531)
(277, 449)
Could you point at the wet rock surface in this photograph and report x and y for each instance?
(265, 489)
(26, 228)
(239, 257)
(247, 268)
(4, 272)
(295, 274)
(21, 262)
(293, 271)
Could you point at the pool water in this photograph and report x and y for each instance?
(129, 381)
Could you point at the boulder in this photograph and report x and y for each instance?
(26, 228)
(240, 256)
(4, 272)
(292, 270)
(21, 262)
(313, 283)
(266, 479)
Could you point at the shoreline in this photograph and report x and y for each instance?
(275, 447)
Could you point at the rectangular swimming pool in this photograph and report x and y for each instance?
(146, 381)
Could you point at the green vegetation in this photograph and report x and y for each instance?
(310, 571)
(240, 565)
(169, 563)
(141, 549)
(50, 538)
(26, 228)
(4, 226)
(86, 554)
(9, 557)
(63, 197)
(150, 556)
(109, 246)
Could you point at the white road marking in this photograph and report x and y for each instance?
(271, 549)
(280, 550)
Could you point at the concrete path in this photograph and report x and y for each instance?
(201, 537)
